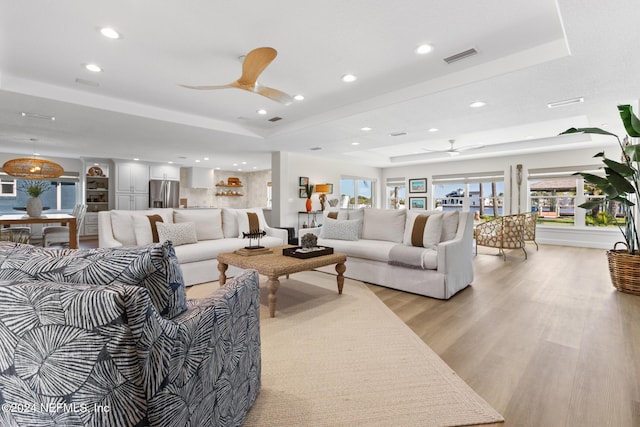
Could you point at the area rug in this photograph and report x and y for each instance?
(345, 360)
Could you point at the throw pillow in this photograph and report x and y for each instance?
(122, 226)
(208, 222)
(423, 230)
(179, 234)
(250, 220)
(384, 224)
(145, 229)
(154, 267)
(347, 229)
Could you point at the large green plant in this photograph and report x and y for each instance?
(35, 188)
(621, 182)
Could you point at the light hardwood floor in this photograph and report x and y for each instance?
(547, 341)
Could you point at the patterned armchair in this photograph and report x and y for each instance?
(506, 232)
(77, 354)
(530, 221)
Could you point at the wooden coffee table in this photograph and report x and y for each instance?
(275, 264)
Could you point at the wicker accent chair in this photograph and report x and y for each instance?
(505, 232)
(530, 221)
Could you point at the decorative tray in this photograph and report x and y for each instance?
(300, 252)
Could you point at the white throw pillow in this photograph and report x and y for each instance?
(122, 226)
(427, 237)
(450, 222)
(142, 230)
(384, 224)
(179, 234)
(347, 229)
(229, 222)
(243, 220)
(208, 222)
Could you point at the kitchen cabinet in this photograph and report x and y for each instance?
(128, 201)
(132, 178)
(165, 172)
(90, 226)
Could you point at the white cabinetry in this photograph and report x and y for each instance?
(132, 186)
(132, 178)
(90, 226)
(199, 178)
(132, 202)
(166, 172)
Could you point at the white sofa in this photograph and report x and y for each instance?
(198, 235)
(379, 247)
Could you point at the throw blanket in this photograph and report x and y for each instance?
(406, 256)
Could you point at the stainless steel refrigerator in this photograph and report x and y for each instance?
(164, 194)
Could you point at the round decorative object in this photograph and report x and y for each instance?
(95, 171)
(309, 240)
(34, 207)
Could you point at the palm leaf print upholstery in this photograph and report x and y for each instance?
(154, 267)
(69, 349)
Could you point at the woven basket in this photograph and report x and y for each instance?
(624, 269)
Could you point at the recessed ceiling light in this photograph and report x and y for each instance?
(423, 49)
(239, 169)
(217, 168)
(477, 104)
(355, 143)
(109, 33)
(136, 159)
(298, 97)
(170, 162)
(348, 78)
(206, 158)
(365, 129)
(255, 167)
(262, 111)
(434, 130)
(37, 116)
(565, 102)
(235, 164)
(244, 163)
(197, 161)
(93, 67)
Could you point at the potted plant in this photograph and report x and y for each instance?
(34, 189)
(621, 185)
(308, 189)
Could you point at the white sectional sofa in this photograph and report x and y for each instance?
(198, 235)
(423, 252)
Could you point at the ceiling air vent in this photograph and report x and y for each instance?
(275, 119)
(459, 56)
(397, 134)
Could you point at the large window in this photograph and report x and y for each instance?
(61, 194)
(556, 194)
(357, 192)
(396, 193)
(482, 193)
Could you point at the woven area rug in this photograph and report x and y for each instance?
(345, 360)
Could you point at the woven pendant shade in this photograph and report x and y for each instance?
(32, 168)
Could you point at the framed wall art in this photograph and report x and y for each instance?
(417, 202)
(304, 180)
(418, 185)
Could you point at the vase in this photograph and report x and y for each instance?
(309, 205)
(34, 207)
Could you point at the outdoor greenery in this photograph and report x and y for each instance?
(621, 183)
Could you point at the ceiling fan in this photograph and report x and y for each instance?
(456, 151)
(253, 65)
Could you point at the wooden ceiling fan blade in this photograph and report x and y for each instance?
(274, 94)
(254, 64)
(208, 87)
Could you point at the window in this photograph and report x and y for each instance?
(482, 192)
(269, 195)
(357, 192)
(396, 193)
(556, 194)
(7, 187)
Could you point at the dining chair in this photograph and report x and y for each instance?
(59, 234)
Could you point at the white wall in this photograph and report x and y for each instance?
(288, 167)
(573, 236)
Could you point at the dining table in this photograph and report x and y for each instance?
(52, 218)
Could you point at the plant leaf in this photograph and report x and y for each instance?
(623, 200)
(621, 183)
(598, 181)
(591, 204)
(588, 130)
(620, 168)
(630, 120)
(633, 151)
